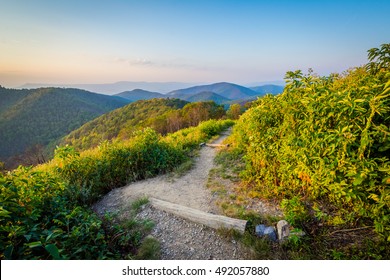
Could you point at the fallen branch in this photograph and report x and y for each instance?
(349, 229)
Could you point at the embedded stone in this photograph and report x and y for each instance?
(283, 228)
(270, 233)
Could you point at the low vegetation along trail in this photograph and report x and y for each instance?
(179, 239)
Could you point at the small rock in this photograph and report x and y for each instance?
(283, 228)
(260, 230)
(270, 233)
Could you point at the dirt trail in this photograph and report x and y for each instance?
(188, 190)
(179, 239)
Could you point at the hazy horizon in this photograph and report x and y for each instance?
(121, 86)
(242, 42)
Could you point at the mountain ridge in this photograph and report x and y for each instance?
(116, 87)
(227, 90)
(140, 94)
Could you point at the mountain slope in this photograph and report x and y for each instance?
(274, 89)
(121, 122)
(9, 97)
(37, 117)
(205, 96)
(226, 90)
(140, 94)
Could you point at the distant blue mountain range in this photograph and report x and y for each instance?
(226, 90)
(221, 93)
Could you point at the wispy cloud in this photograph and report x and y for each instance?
(141, 61)
(131, 62)
(168, 64)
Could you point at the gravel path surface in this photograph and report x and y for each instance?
(184, 240)
(180, 239)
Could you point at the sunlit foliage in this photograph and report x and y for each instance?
(322, 146)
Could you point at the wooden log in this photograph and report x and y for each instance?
(216, 145)
(200, 217)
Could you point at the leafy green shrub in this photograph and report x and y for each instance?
(295, 210)
(112, 165)
(189, 138)
(324, 139)
(38, 220)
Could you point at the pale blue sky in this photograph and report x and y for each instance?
(242, 41)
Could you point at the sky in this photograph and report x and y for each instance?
(244, 42)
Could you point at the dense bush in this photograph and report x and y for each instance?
(99, 170)
(39, 220)
(189, 138)
(323, 146)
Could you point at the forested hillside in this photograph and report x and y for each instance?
(204, 96)
(31, 119)
(163, 115)
(322, 149)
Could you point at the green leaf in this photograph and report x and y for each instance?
(27, 236)
(53, 251)
(34, 244)
(358, 180)
(4, 213)
(374, 197)
(379, 227)
(384, 148)
(8, 252)
(359, 100)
